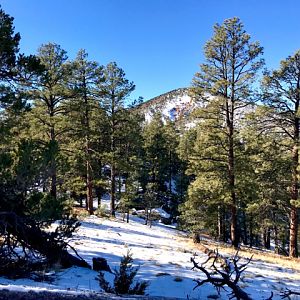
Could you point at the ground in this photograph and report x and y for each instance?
(163, 255)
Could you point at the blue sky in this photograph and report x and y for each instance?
(159, 43)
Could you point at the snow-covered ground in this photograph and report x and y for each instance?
(163, 255)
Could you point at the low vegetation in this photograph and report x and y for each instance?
(124, 279)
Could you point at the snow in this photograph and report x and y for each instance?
(163, 255)
(155, 211)
(172, 108)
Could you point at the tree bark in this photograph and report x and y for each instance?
(89, 188)
(293, 247)
(53, 188)
(89, 182)
(231, 173)
(113, 190)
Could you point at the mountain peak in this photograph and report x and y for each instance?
(173, 105)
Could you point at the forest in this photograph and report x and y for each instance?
(70, 135)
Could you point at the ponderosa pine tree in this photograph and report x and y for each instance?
(266, 208)
(156, 153)
(232, 63)
(113, 91)
(282, 94)
(84, 110)
(49, 91)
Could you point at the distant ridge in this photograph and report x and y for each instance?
(174, 105)
(171, 94)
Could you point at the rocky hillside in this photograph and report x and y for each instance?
(174, 105)
(178, 104)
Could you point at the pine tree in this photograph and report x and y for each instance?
(49, 92)
(17, 171)
(282, 94)
(268, 193)
(232, 62)
(84, 110)
(113, 91)
(9, 46)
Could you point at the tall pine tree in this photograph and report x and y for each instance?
(282, 94)
(113, 91)
(49, 92)
(232, 63)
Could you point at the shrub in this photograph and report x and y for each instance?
(42, 206)
(124, 279)
(102, 211)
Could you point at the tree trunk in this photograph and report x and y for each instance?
(98, 195)
(245, 231)
(221, 224)
(89, 182)
(53, 190)
(150, 216)
(147, 215)
(276, 241)
(89, 189)
(113, 190)
(231, 181)
(293, 247)
(251, 237)
(267, 238)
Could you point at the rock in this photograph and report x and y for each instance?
(196, 238)
(166, 221)
(100, 264)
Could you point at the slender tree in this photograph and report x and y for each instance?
(232, 63)
(113, 91)
(84, 109)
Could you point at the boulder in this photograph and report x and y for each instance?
(100, 264)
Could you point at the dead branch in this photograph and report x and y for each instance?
(225, 273)
(287, 293)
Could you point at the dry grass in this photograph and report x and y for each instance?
(206, 245)
(283, 261)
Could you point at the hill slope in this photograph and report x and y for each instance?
(174, 105)
(163, 255)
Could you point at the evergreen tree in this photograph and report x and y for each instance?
(268, 193)
(156, 154)
(232, 62)
(49, 92)
(113, 91)
(17, 171)
(84, 110)
(282, 94)
(9, 46)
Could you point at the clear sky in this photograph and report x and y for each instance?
(158, 43)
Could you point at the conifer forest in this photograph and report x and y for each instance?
(224, 167)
